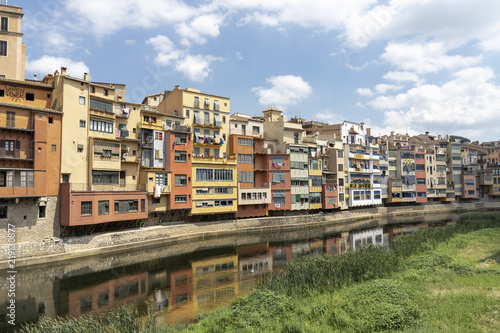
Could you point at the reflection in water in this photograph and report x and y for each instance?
(181, 286)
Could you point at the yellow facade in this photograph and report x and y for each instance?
(148, 177)
(315, 169)
(214, 196)
(208, 115)
(215, 282)
(12, 64)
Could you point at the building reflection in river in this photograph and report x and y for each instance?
(182, 286)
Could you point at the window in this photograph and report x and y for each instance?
(92, 89)
(105, 177)
(3, 212)
(3, 48)
(82, 100)
(30, 96)
(245, 142)
(421, 194)
(2, 92)
(126, 206)
(420, 181)
(296, 137)
(245, 176)
(103, 207)
(196, 151)
(204, 174)
(158, 135)
(340, 154)
(278, 176)
(79, 148)
(180, 139)
(419, 156)
(82, 123)
(206, 118)
(207, 103)
(196, 117)
(278, 161)
(216, 152)
(245, 158)
(217, 120)
(180, 198)
(101, 126)
(41, 212)
(180, 156)
(316, 181)
(86, 208)
(223, 119)
(223, 174)
(161, 179)
(51, 120)
(105, 92)
(180, 180)
(279, 198)
(314, 164)
(420, 167)
(216, 105)
(196, 102)
(187, 113)
(5, 24)
(99, 105)
(11, 119)
(54, 148)
(143, 205)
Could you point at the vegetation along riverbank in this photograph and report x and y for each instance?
(433, 280)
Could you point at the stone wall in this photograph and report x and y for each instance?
(50, 249)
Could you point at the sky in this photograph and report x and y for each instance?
(409, 66)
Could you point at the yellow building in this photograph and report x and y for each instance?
(100, 149)
(213, 176)
(12, 49)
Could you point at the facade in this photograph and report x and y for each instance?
(214, 177)
(30, 158)
(12, 49)
(99, 181)
(420, 177)
(246, 143)
(289, 140)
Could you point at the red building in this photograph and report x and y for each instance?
(278, 166)
(420, 177)
(178, 160)
(330, 193)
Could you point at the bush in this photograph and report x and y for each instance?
(374, 306)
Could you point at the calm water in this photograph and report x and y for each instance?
(184, 279)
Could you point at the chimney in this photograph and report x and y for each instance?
(86, 77)
(426, 133)
(369, 131)
(34, 77)
(63, 71)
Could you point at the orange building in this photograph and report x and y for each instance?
(178, 160)
(30, 156)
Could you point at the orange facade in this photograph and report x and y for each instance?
(178, 148)
(330, 196)
(89, 207)
(30, 141)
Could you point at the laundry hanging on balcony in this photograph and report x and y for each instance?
(157, 191)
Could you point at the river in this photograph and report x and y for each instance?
(183, 279)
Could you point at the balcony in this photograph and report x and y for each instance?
(83, 187)
(17, 154)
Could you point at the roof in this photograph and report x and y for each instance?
(32, 83)
(29, 107)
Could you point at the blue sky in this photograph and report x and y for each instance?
(425, 65)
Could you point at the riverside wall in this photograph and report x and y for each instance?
(171, 236)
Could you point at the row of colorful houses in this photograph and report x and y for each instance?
(76, 154)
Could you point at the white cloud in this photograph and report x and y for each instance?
(355, 68)
(401, 76)
(425, 58)
(469, 104)
(167, 52)
(199, 28)
(286, 90)
(48, 65)
(130, 42)
(364, 92)
(195, 67)
(383, 88)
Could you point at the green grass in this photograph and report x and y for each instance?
(434, 280)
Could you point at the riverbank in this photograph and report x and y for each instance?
(436, 279)
(54, 249)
